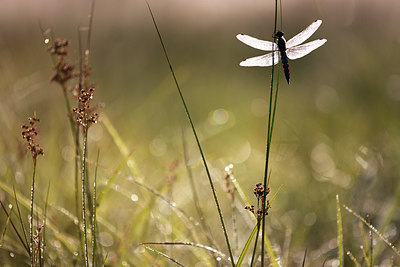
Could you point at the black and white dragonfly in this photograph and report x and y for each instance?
(282, 49)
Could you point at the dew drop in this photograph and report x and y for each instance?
(218, 258)
(76, 254)
(12, 255)
(46, 41)
(134, 197)
(106, 239)
(220, 116)
(57, 244)
(10, 206)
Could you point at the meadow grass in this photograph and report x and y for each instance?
(174, 222)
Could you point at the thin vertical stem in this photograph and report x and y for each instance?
(44, 224)
(268, 147)
(255, 243)
(31, 252)
(197, 140)
(83, 175)
(94, 214)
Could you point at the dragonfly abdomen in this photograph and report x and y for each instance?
(284, 58)
(285, 65)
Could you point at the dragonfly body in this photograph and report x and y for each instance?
(282, 49)
(285, 50)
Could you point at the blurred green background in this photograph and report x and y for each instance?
(337, 128)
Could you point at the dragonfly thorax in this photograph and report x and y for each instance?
(281, 41)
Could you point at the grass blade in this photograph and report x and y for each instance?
(113, 177)
(94, 222)
(15, 229)
(196, 137)
(340, 232)
(5, 227)
(246, 246)
(122, 147)
(373, 229)
(213, 250)
(304, 258)
(44, 224)
(164, 255)
(19, 215)
(353, 259)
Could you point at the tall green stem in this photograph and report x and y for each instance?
(31, 252)
(197, 140)
(268, 147)
(83, 175)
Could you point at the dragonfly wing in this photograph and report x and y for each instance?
(261, 61)
(304, 35)
(302, 50)
(257, 43)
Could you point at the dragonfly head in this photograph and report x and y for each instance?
(279, 34)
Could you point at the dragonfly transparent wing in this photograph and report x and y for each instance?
(302, 50)
(304, 35)
(261, 61)
(257, 43)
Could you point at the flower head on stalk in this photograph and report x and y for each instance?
(30, 133)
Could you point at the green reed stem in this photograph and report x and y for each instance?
(196, 137)
(269, 138)
(31, 252)
(83, 176)
(94, 214)
(255, 243)
(44, 225)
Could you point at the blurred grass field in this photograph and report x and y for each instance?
(337, 128)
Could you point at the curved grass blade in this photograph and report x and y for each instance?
(208, 248)
(165, 256)
(390, 213)
(15, 229)
(246, 246)
(112, 178)
(68, 242)
(196, 137)
(122, 147)
(372, 228)
(5, 226)
(19, 215)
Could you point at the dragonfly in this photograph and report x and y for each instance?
(291, 49)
